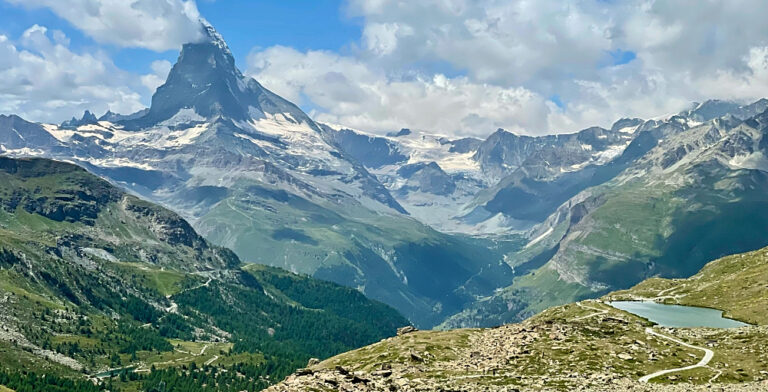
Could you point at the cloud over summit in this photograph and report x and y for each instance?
(151, 24)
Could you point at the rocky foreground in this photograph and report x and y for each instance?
(343, 381)
(581, 347)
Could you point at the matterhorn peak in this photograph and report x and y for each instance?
(213, 36)
(205, 84)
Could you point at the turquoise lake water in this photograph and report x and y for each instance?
(677, 316)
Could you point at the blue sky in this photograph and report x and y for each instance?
(458, 67)
(246, 24)
(249, 25)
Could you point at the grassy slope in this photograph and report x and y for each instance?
(74, 252)
(577, 339)
(426, 275)
(530, 294)
(559, 350)
(671, 224)
(735, 284)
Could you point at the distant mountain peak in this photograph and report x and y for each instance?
(503, 133)
(206, 84)
(88, 118)
(117, 117)
(626, 123)
(213, 36)
(710, 110)
(402, 132)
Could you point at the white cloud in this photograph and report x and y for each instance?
(152, 24)
(39, 81)
(498, 41)
(382, 38)
(160, 70)
(347, 91)
(513, 55)
(506, 60)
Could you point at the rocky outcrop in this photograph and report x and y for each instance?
(87, 119)
(406, 330)
(168, 226)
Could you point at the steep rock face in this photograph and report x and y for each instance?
(18, 133)
(465, 145)
(109, 116)
(427, 178)
(373, 152)
(87, 119)
(503, 152)
(543, 173)
(168, 226)
(76, 200)
(710, 110)
(205, 82)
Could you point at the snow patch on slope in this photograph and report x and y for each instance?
(183, 116)
(754, 161)
(539, 238)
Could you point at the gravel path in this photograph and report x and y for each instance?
(708, 355)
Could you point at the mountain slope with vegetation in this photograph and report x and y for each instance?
(694, 192)
(735, 284)
(588, 345)
(93, 279)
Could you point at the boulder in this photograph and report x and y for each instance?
(406, 330)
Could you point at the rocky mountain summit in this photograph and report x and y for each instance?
(87, 119)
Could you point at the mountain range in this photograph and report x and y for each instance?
(449, 231)
(253, 173)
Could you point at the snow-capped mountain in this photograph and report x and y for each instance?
(511, 182)
(87, 119)
(205, 115)
(692, 183)
(431, 176)
(478, 186)
(254, 173)
(687, 190)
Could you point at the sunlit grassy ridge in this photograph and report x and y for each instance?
(588, 344)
